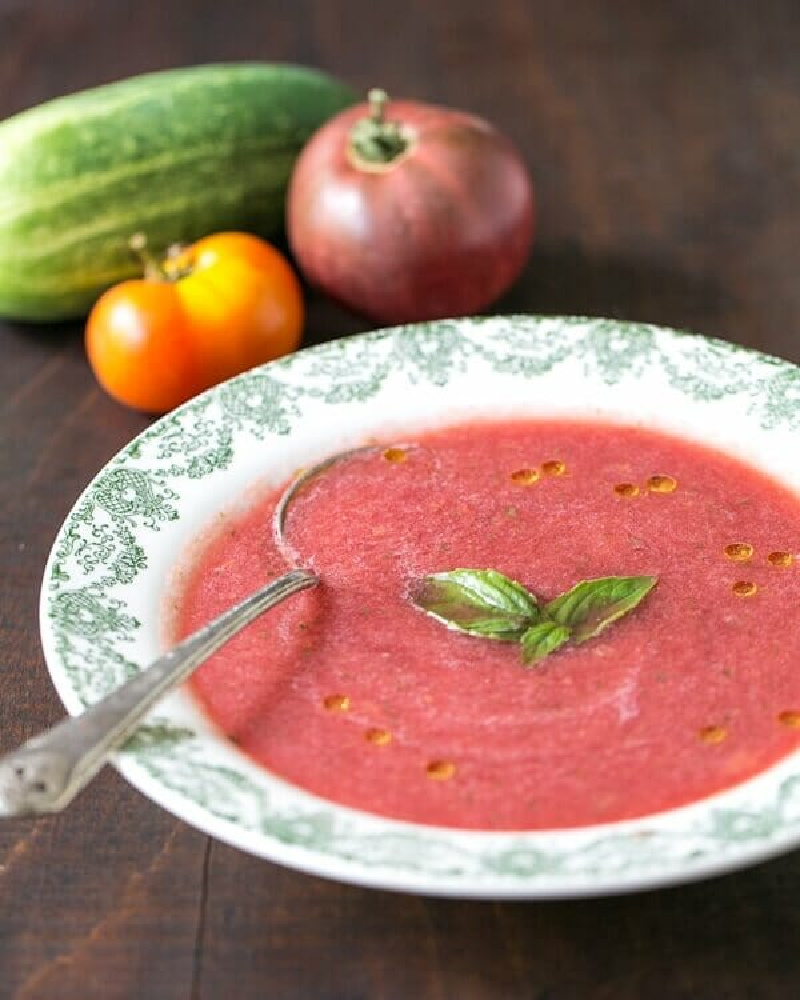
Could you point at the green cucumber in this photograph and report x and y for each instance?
(175, 155)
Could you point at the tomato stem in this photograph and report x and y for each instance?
(155, 268)
(151, 265)
(378, 99)
(375, 140)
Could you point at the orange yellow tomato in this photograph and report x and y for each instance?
(210, 311)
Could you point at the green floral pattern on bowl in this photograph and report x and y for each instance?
(108, 573)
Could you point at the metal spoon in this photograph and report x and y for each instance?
(48, 771)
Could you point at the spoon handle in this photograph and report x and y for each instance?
(48, 771)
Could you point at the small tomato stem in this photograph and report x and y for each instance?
(151, 265)
(378, 99)
(155, 268)
(374, 140)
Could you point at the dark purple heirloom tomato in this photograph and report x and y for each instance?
(406, 211)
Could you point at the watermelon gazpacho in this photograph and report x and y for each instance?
(352, 692)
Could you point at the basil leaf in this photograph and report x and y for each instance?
(541, 640)
(593, 605)
(479, 602)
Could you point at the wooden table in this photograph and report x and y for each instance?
(664, 139)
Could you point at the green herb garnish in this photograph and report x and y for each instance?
(593, 605)
(485, 603)
(543, 639)
(478, 602)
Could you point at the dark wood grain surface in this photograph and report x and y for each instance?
(664, 139)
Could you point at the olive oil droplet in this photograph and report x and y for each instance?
(739, 551)
(524, 477)
(336, 703)
(440, 770)
(378, 737)
(662, 484)
(713, 734)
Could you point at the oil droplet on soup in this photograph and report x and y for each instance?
(378, 737)
(739, 551)
(554, 467)
(790, 719)
(713, 734)
(745, 588)
(524, 477)
(395, 455)
(627, 489)
(440, 770)
(662, 484)
(336, 703)
(781, 559)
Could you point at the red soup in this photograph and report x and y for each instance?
(350, 692)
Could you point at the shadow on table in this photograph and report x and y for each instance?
(566, 280)
(43, 338)
(732, 937)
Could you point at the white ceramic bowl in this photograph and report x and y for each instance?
(110, 564)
